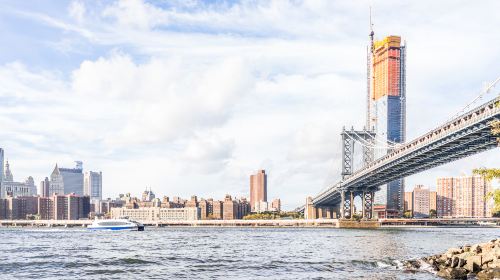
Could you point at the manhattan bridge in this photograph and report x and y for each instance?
(470, 131)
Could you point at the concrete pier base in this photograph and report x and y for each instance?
(347, 223)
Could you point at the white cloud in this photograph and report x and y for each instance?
(77, 11)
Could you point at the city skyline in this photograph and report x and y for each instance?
(292, 89)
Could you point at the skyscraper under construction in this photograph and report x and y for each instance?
(386, 106)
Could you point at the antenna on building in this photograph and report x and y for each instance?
(371, 29)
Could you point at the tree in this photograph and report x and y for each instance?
(489, 175)
(432, 213)
(407, 214)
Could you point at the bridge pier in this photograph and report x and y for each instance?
(346, 205)
(368, 199)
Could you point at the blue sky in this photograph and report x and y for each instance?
(191, 97)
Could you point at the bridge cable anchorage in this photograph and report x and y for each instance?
(485, 91)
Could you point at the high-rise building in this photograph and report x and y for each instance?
(73, 179)
(258, 188)
(276, 205)
(148, 196)
(1, 166)
(386, 106)
(56, 184)
(445, 196)
(433, 200)
(14, 189)
(230, 208)
(92, 185)
(45, 188)
(193, 202)
(463, 197)
(421, 202)
(408, 202)
(217, 210)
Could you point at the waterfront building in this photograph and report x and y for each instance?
(463, 197)
(193, 202)
(11, 188)
(230, 208)
(92, 185)
(18, 208)
(244, 207)
(408, 202)
(386, 106)
(44, 190)
(3, 209)
(217, 210)
(258, 188)
(433, 200)
(379, 212)
(45, 208)
(157, 213)
(104, 206)
(63, 207)
(1, 166)
(73, 179)
(206, 208)
(421, 202)
(167, 203)
(276, 205)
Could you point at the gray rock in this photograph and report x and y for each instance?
(494, 264)
(473, 263)
(454, 261)
(491, 273)
(476, 248)
(453, 273)
(461, 262)
(454, 251)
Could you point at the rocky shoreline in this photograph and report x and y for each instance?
(480, 261)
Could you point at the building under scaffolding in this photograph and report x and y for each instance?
(386, 106)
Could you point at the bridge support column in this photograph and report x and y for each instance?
(346, 206)
(329, 212)
(353, 210)
(310, 212)
(368, 198)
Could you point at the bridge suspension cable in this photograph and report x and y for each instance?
(367, 144)
(384, 142)
(481, 94)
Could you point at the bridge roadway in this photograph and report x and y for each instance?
(468, 134)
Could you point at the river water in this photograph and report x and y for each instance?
(225, 253)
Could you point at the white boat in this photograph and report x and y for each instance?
(116, 224)
(486, 224)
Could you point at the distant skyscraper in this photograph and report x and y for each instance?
(258, 188)
(92, 185)
(8, 177)
(386, 112)
(11, 188)
(45, 188)
(1, 167)
(56, 185)
(72, 179)
(463, 197)
(148, 196)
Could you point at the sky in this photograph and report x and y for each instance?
(191, 97)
